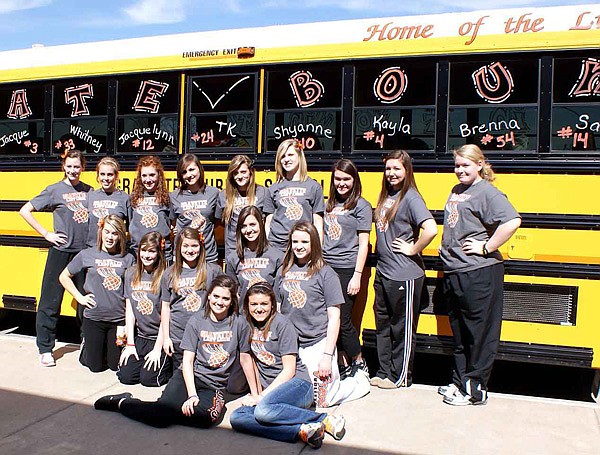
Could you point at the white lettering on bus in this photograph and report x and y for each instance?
(293, 130)
(394, 127)
(14, 137)
(85, 136)
(501, 125)
(585, 124)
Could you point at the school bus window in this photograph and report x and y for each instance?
(576, 80)
(148, 109)
(305, 88)
(80, 116)
(223, 112)
(316, 130)
(22, 124)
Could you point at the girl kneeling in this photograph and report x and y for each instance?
(282, 410)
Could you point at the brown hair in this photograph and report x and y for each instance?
(231, 190)
(315, 258)
(150, 240)
(226, 282)
(118, 225)
(261, 288)
(182, 165)
(263, 244)
(297, 147)
(473, 153)
(386, 188)
(161, 193)
(201, 268)
(74, 153)
(348, 167)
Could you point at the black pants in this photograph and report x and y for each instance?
(348, 341)
(135, 373)
(475, 302)
(48, 309)
(99, 351)
(167, 410)
(396, 319)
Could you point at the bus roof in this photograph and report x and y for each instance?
(561, 27)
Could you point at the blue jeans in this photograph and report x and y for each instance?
(279, 415)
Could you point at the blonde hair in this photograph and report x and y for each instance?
(201, 268)
(119, 226)
(231, 190)
(297, 147)
(473, 153)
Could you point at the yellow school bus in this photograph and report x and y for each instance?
(524, 85)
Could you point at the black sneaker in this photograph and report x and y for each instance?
(345, 371)
(359, 365)
(110, 402)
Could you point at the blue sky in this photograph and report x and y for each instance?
(52, 22)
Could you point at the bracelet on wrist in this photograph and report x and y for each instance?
(485, 250)
(327, 353)
(356, 271)
(130, 344)
(192, 396)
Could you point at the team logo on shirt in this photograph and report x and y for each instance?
(111, 281)
(102, 208)
(382, 225)
(74, 204)
(251, 269)
(239, 203)
(291, 283)
(143, 303)
(259, 350)
(144, 209)
(288, 197)
(334, 229)
(452, 207)
(192, 212)
(212, 343)
(252, 276)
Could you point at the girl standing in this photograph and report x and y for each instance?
(68, 200)
(348, 220)
(184, 289)
(281, 411)
(195, 203)
(404, 228)
(310, 295)
(294, 197)
(150, 366)
(108, 199)
(150, 204)
(213, 340)
(241, 191)
(103, 300)
(253, 260)
(478, 220)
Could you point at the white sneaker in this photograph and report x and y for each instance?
(461, 399)
(46, 360)
(447, 390)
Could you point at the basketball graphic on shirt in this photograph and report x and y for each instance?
(192, 301)
(382, 224)
(334, 229)
(149, 218)
(296, 296)
(218, 356)
(259, 350)
(80, 213)
(293, 210)
(111, 281)
(217, 407)
(197, 219)
(252, 276)
(239, 203)
(452, 208)
(144, 304)
(100, 212)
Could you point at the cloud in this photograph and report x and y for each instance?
(156, 11)
(8, 6)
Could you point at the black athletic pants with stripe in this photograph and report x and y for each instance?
(396, 319)
(167, 410)
(475, 301)
(133, 372)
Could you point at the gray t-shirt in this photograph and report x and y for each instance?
(186, 301)
(101, 204)
(290, 202)
(104, 279)
(281, 340)
(411, 213)
(69, 212)
(239, 203)
(473, 211)
(304, 300)
(145, 303)
(216, 345)
(342, 227)
(197, 210)
(254, 269)
(150, 216)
